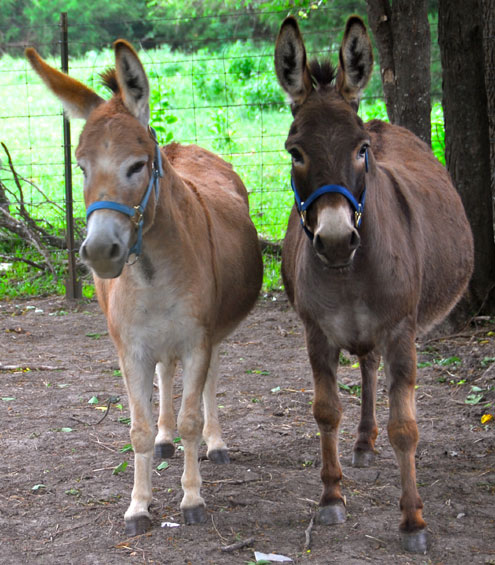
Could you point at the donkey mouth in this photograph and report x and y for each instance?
(335, 264)
(107, 272)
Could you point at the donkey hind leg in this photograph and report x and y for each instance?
(364, 449)
(327, 411)
(190, 426)
(400, 367)
(212, 433)
(164, 441)
(138, 375)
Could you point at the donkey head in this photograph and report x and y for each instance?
(115, 152)
(327, 140)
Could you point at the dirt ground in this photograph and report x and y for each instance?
(61, 503)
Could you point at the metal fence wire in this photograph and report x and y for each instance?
(220, 93)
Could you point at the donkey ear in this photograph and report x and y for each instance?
(356, 61)
(290, 62)
(77, 99)
(132, 81)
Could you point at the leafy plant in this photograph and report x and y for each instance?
(120, 468)
(127, 447)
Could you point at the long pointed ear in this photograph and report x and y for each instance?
(356, 61)
(77, 99)
(290, 62)
(132, 81)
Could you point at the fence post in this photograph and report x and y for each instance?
(72, 284)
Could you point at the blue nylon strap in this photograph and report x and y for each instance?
(156, 174)
(302, 207)
(331, 189)
(109, 205)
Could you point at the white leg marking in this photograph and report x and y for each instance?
(190, 422)
(212, 432)
(138, 375)
(166, 417)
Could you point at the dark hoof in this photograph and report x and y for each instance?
(195, 515)
(219, 456)
(363, 458)
(415, 542)
(331, 514)
(164, 450)
(137, 525)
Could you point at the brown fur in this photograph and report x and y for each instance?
(413, 262)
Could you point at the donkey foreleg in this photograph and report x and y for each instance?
(364, 449)
(400, 367)
(190, 427)
(138, 377)
(327, 411)
(164, 441)
(212, 432)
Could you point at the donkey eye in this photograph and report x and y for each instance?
(297, 157)
(362, 151)
(133, 169)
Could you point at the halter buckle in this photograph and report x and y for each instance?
(358, 214)
(138, 215)
(303, 215)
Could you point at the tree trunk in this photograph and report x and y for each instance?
(488, 12)
(402, 35)
(467, 148)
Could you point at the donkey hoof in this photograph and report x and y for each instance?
(195, 515)
(363, 458)
(415, 542)
(219, 456)
(164, 450)
(332, 514)
(137, 525)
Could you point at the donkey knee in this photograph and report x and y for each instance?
(142, 438)
(404, 435)
(190, 425)
(327, 415)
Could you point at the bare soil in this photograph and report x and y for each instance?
(60, 502)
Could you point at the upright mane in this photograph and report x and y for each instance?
(109, 79)
(323, 73)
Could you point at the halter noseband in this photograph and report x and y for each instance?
(302, 206)
(135, 213)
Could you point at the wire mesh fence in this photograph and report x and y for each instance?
(219, 92)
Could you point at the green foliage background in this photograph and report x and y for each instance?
(210, 66)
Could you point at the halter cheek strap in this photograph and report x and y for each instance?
(302, 206)
(135, 213)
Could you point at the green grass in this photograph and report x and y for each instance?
(228, 102)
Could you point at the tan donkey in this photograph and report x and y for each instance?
(176, 264)
(384, 252)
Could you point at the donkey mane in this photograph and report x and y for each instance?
(322, 73)
(109, 79)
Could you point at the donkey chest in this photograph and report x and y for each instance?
(156, 322)
(345, 313)
(355, 328)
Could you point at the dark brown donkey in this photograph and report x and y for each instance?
(384, 252)
(176, 264)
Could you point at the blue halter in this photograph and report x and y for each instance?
(136, 213)
(302, 206)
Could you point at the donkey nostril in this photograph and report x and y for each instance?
(355, 240)
(115, 251)
(318, 243)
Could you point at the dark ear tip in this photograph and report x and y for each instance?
(290, 22)
(355, 20)
(122, 45)
(31, 53)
